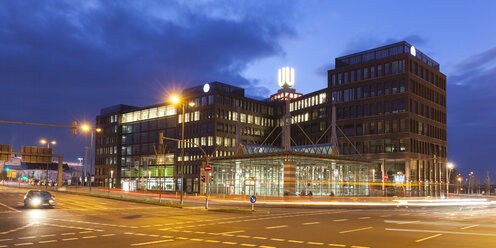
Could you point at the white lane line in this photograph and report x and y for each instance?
(152, 242)
(47, 235)
(337, 245)
(5, 240)
(467, 227)
(23, 244)
(68, 239)
(436, 231)
(364, 218)
(311, 223)
(68, 233)
(355, 230)
(11, 208)
(108, 235)
(296, 241)
(47, 241)
(315, 243)
(273, 227)
(426, 238)
(30, 237)
(338, 220)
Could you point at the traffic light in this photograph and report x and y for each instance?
(202, 178)
(74, 128)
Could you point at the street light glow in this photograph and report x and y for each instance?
(98, 130)
(53, 142)
(85, 127)
(191, 104)
(450, 165)
(43, 141)
(175, 99)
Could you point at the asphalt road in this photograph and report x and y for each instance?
(83, 221)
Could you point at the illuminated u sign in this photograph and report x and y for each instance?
(286, 77)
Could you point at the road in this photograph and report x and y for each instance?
(84, 221)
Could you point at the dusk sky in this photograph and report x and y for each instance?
(65, 60)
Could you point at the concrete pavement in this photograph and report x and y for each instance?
(82, 221)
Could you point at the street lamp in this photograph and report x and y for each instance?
(46, 142)
(92, 131)
(449, 166)
(176, 100)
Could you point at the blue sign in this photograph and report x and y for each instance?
(253, 199)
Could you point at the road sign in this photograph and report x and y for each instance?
(386, 177)
(7, 151)
(37, 154)
(253, 199)
(208, 167)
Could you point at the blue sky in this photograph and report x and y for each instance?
(61, 61)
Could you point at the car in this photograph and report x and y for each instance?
(39, 198)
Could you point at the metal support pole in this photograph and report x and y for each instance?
(59, 174)
(182, 155)
(91, 160)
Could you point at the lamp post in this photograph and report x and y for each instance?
(92, 131)
(449, 166)
(53, 142)
(176, 100)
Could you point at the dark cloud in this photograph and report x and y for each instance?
(471, 114)
(66, 60)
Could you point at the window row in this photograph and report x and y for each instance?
(425, 129)
(231, 128)
(427, 93)
(308, 102)
(373, 127)
(370, 90)
(427, 148)
(106, 150)
(427, 112)
(372, 109)
(427, 75)
(244, 118)
(368, 72)
(147, 126)
(245, 105)
(150, 113)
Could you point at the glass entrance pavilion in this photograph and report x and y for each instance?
(269, 171)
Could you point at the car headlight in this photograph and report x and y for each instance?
(51, 201)
(36, 201)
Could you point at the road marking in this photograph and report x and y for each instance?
(69, 239)
(152, 242)
(430, 237)
(273, 227)
(22, 244)
(233, 232)
(386, 215)
(259, 237)
(435, 231)
(199, 240)
(250, 245)
(296, 241)
(89, 237)
(153, 235)
(181, 238)
(108, 235)
(315, 243)
(407, 222)
(47, 235)
(86, 232)
(30, 237)
(212, 241)
(311, 223)
(337, 245)
(364, 218)
(275, 239)
(47, 241)
(229, 243)
(5, 240)
(355, 230)
(243, 236)
(13, 209)
(467, 227)
(68, 233)
(264, 246)
(340, 220)
(355, 246)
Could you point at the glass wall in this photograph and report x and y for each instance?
(265, 176)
